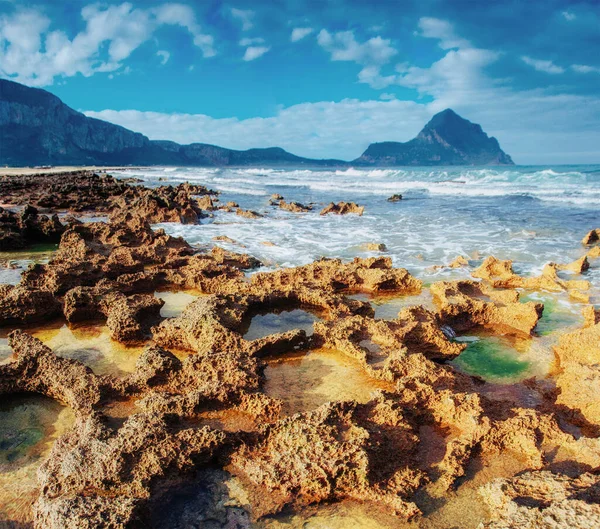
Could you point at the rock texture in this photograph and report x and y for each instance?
(198, 401)
(343, 208)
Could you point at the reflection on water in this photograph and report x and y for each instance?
(560, 314)
(91, 345)
(388, 306)
(13, 263)
(262, 325)
(306, 381)
(5, 350)
(29, 424)
(176, 301)
(494, 358)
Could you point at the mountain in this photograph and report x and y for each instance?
(447, 139)
(37, 128)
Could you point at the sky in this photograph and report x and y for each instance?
(320, 78)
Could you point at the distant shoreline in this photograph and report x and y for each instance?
(21, 171)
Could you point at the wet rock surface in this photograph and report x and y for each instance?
(343, 208)
(197, 406)
(86, 191)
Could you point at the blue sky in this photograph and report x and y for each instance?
(320, 78)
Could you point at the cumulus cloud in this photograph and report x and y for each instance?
(254, 52)
(164, 56)
(244, 16)
(435, 28)
(300, 33)
(542, 66)
(33, 54)
(568, 16)
(371, 54)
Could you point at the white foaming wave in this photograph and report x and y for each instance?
(241, 190)
(255, 171)
(372, 173)
(236, 180)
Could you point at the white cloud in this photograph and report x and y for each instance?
(164, 56)
(435, 28)
(543, 66)
(300, 33)
(532, 126)
(455, 77)
(245, 16)
(568, 16)
(324, 129)
(584, 68)
(371, 54)
(32, 54)
(254, 52)
(387, 97)
(250, 42)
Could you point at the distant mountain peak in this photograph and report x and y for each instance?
(447, 139)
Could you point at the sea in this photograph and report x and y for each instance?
(529, 214)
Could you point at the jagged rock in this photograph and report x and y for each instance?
(37, 369)
(543, 500)
(459, 262)
(591, 316)
(247, 213)
(378, 343)
(468, 304)
(329, 455)
(294, 207)
(93, 463)
(500, 274)
(21, 304)
(592, 237)
(374, 274)
(224, 238)
(343, 208)
(19, 230)
(577, 373)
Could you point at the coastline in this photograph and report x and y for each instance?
(28, 171)
(352, 363)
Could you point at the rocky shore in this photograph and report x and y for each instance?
(201, 412)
